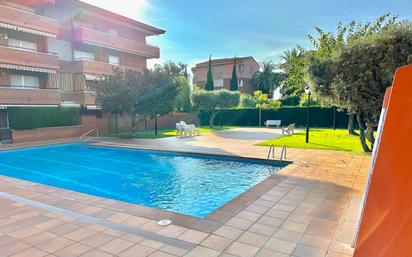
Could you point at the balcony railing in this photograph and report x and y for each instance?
(14, 95)
(90, 36)
(28, 20)
(100, 68)
(18, 56)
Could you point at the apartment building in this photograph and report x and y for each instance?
(51, 51)
(222, 73)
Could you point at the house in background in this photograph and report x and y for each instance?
(52, 51)
(222, 73)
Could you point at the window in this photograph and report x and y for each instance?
(241, 67)
(24, 81)
(240, 83)
(113, 59)
(218, 82)
(22, 44)
(112, 32)
(81, 55)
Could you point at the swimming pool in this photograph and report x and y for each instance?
(185, 183)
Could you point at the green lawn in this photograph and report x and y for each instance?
(150, 134)
(327, 139)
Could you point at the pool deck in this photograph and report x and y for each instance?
(308, 209)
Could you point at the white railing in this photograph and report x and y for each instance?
(86, 136)
(272, 151)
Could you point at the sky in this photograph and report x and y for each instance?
(263, 29)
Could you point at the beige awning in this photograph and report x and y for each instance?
(92, 77)
(93, 107)
(26, 68)
(26, 30)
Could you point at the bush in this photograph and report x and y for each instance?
(319, 117)
(290, 101)
(22, 118)
(247, 101)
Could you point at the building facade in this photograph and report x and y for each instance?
(222, 73)
(51, 51)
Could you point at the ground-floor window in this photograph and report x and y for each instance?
(24, 81)
(240, 83)
(218, 82)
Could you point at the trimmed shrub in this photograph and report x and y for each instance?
(22, 118)
(319, 117)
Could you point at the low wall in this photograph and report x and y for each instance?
(88, 122)
(20, 136)
(166, 121)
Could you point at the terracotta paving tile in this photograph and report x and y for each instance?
(288, 235)
(5, 239)
(161, 254)
(253, 239)
(132, 238)
(13, 248)
(308, 251)
(176, 251)
(203, 251)
(280, 245)
(116, 246)
(315, 241)
(152, 244)
(49, 224)
(242, 250)
(274, 222)
(172, 231)
(31, 252)
(25, 232)
(216, 242)
(80, 234)
(228, 232)
(73, 250)
(246, 215)
(97, 240)
(262, 229)
(96, 253)
(137, 251)
(268, 253)
(294, 226)
(39, 238)
(64, 229)
(239, 223)
(193, 236)
(55, 244)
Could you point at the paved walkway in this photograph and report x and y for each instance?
(304, 211)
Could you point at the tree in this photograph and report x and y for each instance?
(209, 86)
(182, 103)
(233, 81)
(294, 67)
(212, 102)
(357, 77)
(329, 44)
(175, 69)
(139, 95)
(267, 79)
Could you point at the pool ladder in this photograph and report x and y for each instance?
(272, 151)
(86, 136)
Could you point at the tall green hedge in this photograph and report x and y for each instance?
(319, 117)
(22, 118)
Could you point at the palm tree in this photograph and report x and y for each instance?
(267, 79)
(290, 56)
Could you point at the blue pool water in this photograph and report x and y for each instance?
(184, 183)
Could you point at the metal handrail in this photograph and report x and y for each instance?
(271, 150)
(283, 153)
(82, 137)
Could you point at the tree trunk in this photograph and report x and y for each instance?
(369, 133)
(359, 117)
(351, 127)
(212, 117)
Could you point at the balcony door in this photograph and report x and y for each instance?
(3, 119)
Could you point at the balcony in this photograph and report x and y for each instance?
(80, 97)
(10, 95)
(94, 37)
(17, 56)
(99, 68)
(28, 20)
